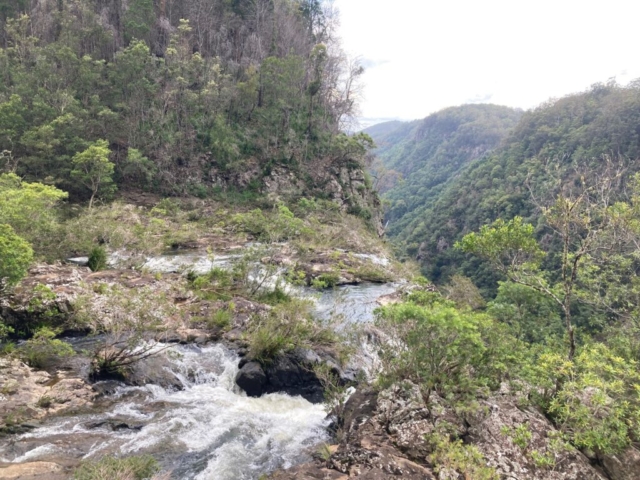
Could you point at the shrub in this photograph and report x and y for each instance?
(288, 326)
(598, 405)
(111, 468)
(16, 255)
(453, 456)
(98, 259)
(43, 348)
(442, 349)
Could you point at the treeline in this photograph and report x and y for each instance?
(188, 94)
(550, 148)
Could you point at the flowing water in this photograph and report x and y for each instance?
(208, 429)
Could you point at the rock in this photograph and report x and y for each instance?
(33, 471)
(501, 412)
(291, 373)
(383, 437)
(252, 379)
(30, 394)
(288, 374)
(624, 466)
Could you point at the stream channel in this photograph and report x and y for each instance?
(208, 429)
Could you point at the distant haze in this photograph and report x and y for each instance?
(423, 55)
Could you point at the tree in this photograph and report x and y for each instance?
(30, 209)
(15, 257)
(576, 223)
(93, 169)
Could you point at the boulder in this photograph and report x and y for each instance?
(252, 379)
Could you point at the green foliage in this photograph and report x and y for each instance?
(598, 405)
(139, 467)
(179, 111)
(43, 349)
(427, 154)
(16, 256)
(97, 259)
(276, 226)
(504, 244)
(541, 152)
(463, 292)
(453, 456)
(453, 353)
(30, 209)
(533, 316)
(287, 327)
(93, 169)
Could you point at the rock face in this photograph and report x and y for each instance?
(625, 466)
(35, 394)
(384, 435)
(291, 373)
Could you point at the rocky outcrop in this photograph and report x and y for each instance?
(624, 466)
(386, 435)
(34, 471)
(27, 395)
(292, 373)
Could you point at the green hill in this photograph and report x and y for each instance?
(429, 153)
(577, 129)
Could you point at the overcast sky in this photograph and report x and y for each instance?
(424, 55)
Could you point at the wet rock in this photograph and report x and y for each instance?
(114, 425)
(252, 379)
(154, 370)
(288, 374)
(291, 373)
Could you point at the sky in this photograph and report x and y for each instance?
(424, 55)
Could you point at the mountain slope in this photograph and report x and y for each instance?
(575, 130)
(428, 153)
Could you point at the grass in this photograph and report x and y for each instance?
(287, 327)
(138, 467)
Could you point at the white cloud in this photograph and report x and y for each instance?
(424, 55)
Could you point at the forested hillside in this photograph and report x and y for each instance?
(181, 96)
(417, 159)
(543, 152)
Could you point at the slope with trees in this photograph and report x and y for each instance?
(186, 96)
(551, 144)
(417, 159)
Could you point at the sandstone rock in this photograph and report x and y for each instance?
(30, 394)
(33, 471)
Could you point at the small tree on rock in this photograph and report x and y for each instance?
(93, 169)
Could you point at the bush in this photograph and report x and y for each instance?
(453, 456)
(98, 259)
(597, 404)
(288, 326)
(278, 226)
(111, 468)
(44, 348)
(442, 349)
(16, 255)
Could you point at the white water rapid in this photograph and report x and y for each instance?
(206, 431)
